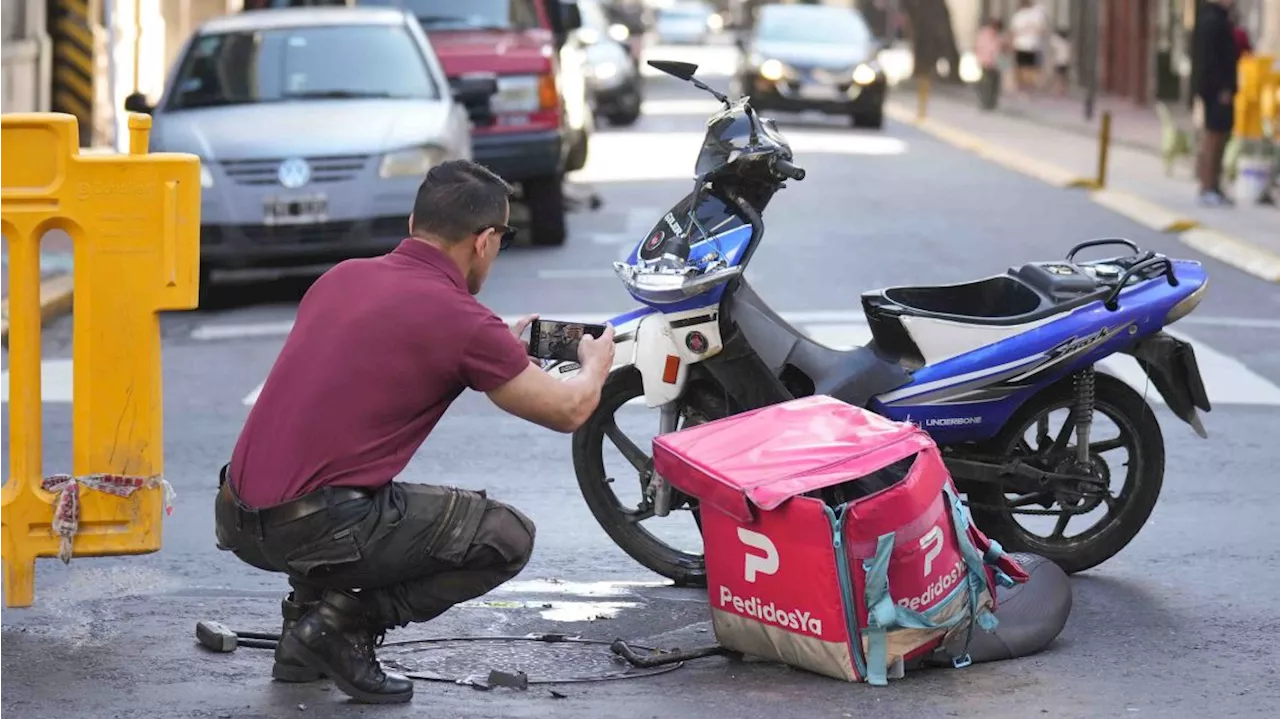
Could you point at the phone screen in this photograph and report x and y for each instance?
(549, 339)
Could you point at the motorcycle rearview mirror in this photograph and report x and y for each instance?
(684, 71)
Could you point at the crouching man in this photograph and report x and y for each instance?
(380, 348)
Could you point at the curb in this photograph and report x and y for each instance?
(56, 299)
(1145, 213)
(1235, 252)
(1011, 159)
(1241, 254)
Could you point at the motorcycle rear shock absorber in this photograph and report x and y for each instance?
(1083, 414)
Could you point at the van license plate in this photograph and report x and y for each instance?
(299, 210)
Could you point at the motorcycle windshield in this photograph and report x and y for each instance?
(728, 139)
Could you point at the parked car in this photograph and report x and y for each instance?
(685, 23)
(613, 75)
(813, 57)
(538, 125)
(314, 128)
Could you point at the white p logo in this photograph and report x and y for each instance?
(755, 564)
(931, 542)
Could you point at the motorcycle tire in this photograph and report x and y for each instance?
(1123, 405)
(625, 384)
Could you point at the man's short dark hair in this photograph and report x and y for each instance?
(457, 198)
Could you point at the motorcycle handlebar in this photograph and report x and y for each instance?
(788, 170)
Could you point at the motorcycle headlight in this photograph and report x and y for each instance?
(772, 69)
(864, 74)
(413, 162)
(619, 32)
(206, 177)
(669, 287)
(1186, 305)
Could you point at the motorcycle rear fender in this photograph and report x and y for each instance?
(1171, 365)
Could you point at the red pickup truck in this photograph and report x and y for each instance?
(537, 126)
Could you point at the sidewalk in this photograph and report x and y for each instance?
(1049, 139)
(56, 257)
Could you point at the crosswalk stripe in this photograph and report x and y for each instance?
(1227, 380)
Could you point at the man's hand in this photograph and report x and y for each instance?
(596, 354)
(1226, 97)
(520, 326)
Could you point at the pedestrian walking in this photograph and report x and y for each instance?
(1060, 49)
(1029, 26)
(379, 350)
(989, 48)
(1215, 56)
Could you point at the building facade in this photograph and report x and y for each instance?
(83, 57)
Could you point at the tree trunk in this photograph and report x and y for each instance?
(932, 39)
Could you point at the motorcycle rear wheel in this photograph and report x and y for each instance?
(701, 403)
(1127, 514)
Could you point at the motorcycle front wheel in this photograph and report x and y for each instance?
(702, 402)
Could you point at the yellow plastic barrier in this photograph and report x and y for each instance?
(135, 223)
(1256, 78)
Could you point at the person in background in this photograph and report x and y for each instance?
(1028, 25)
(988, 49)
(1060, 50)
(1243, 46)
(1215, 55)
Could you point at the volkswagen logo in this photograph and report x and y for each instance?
(294, 173)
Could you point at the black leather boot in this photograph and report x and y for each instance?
(337, 638)
(289, 668)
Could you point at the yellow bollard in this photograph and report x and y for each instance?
(922, 98)
(135, 223)
(1104, 147)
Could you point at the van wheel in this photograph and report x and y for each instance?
(578, 153)
(873, 119)
(545, 197)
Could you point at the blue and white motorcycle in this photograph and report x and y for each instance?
(981, 366)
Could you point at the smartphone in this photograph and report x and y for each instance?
(553, 340)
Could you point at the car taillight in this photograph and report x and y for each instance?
(548, 98)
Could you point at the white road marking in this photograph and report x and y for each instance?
(231, 331)
(56, 381)
(1227, 380)
(585, 604)
(571, 273)
(252, 397)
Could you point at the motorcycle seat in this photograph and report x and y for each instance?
(904, 318)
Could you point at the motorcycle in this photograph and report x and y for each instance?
(978, 364)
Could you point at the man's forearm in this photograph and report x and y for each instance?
(585, 395)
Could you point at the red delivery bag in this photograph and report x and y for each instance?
(834, 538)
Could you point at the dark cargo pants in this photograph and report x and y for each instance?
(411, 551)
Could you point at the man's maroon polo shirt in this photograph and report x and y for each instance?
(380, 348)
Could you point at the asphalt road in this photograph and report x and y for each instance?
(1179, 624)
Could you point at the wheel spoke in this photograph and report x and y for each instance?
(1042, 433)
(1064, 435)
(634, 454)
(1107, 445)
(639, 514)
(1061, 526)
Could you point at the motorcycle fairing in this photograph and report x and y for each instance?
(662, 346)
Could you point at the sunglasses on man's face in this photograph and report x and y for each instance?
(508, 234)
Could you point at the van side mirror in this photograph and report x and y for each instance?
(137, 102)
(475, 89)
